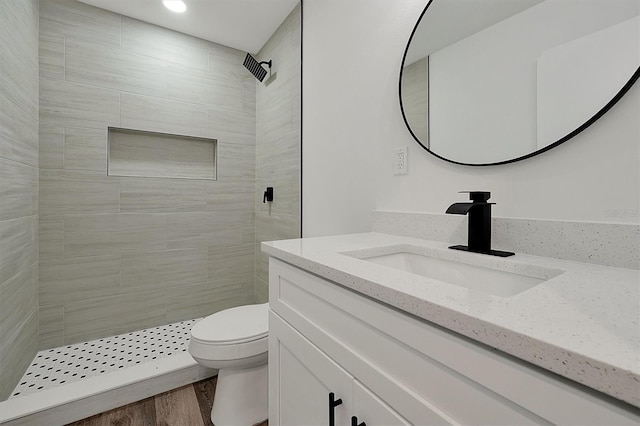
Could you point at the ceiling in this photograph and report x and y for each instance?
(242, 24)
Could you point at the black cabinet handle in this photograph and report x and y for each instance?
(333, 403)
(354, 422)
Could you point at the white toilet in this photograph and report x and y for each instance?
(235, 341)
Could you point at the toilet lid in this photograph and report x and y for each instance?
(234, 325)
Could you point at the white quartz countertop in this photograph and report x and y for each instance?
(583, 323)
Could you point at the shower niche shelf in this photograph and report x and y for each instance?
(138, 153)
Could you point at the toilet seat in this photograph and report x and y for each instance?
(235, 333)
(232, 326)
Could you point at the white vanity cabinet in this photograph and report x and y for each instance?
(313, 387)
(390, 368)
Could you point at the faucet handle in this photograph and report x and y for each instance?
(477, 196)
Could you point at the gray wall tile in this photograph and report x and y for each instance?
(51, 56)
(145, 195)
(223, 60)
(80, 278)
(19, 50)
(248, 226)
(26, 150)
(78, 192)
(231, 261)
(208, 87)
(276, 227)
(85, 149)
(16, 294)
(261, 291)
(51, 326)
(115, 68)
(51, 150)
(279, 167)
(142, 309)
(17, 351)
(18, 245)
(288, 195)
(51, 237)
(160, 43)
(91, 319)
(104, 234)
(162, 269)
(106, 316)
(7, 126)
(280, 157)
(278, 136)
(193, 230)
(78, 21)
(249, 162)
(262, 266)
(229, 161)
(204, 299)
(164, 116)
(233, 126)
(73, 104)
(232, 194)
(18, 134)
(18, 189)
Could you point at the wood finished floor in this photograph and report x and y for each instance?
(189, 405)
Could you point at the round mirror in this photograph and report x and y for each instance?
(487, 82)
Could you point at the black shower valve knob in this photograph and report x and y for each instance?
(267, 197)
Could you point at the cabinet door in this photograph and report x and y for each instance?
(371, 410)
(301, 378)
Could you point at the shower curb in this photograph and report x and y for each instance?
(79, 400)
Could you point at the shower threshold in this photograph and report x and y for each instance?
(73, 382)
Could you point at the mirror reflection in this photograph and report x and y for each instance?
(495, 81)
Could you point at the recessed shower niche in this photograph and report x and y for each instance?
(150, 154)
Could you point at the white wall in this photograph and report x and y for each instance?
(352, 122)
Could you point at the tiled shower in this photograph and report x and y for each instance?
(119, 253)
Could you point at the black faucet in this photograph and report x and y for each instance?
(479, 212)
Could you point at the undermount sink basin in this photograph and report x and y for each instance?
(473, 277)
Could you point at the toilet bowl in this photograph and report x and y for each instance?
(235, 341)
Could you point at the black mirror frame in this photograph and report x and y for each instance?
(575, 132)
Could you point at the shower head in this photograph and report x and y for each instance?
(255, 67)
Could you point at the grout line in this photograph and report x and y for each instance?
(64, 58)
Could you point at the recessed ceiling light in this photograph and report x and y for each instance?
(175, 5)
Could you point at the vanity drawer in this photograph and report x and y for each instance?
(416, 366)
